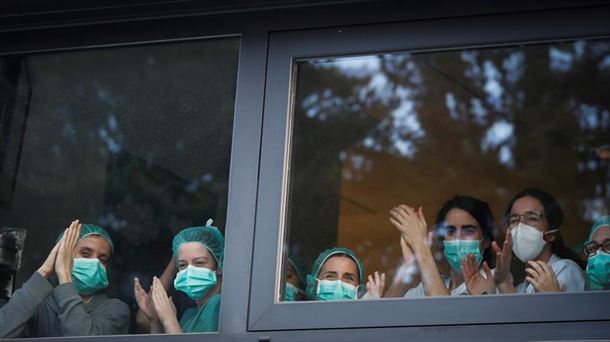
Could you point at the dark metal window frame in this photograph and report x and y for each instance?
(252, 251)
(285, 49)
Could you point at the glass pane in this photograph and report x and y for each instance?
(134, 140)
(460, 134)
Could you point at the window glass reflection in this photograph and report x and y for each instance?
(489, 143)
(135, 144)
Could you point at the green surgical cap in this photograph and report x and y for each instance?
(209, 236)
(322, 258)
(87, 229)
(603, 221)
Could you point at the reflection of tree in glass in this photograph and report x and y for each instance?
(484, 122)
(169, 106)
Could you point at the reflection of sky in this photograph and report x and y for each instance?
(403, 118)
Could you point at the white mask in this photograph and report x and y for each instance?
(527, 241)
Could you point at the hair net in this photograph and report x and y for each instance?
(209, 236)
(322, 258)
(299, 267)
(603, 221)
(87, 229)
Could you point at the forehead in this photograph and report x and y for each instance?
(525, 204)
(460, 217)
(601, 234)
(95, 243)
(340, 264)
(192, 250)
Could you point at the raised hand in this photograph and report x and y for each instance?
(503, 257)
(476, 284)
(542, 277)
(66, 253)
(48, 267)
(375, 285)
(411, 224)
(144, 300)
(166, 311)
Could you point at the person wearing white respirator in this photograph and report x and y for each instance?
(466, 226)
(533, 219)
(66, 295)
(199, 253)
(337, 274)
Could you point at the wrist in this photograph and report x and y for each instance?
(43, 272)
(64, 277)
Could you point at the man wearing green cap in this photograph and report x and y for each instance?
(76, 306)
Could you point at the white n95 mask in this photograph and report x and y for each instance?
(528, 241)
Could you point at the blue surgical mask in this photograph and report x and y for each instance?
(456, 250)
(195, 281)
(335, 290)
(291, 293)
(598, 271)
(89, 275)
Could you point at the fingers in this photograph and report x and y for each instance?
(382, 282)
(536, 266)
(533, 281)
(496, 248)
(487, 270)
(532, 272)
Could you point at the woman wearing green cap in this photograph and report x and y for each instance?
(338, 274)
(597, 249)
(199, 252)
(77, 306)
(295, 280)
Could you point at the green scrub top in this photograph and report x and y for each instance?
(204, 319)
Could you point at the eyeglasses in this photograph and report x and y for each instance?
(592, 247)
(530, 218)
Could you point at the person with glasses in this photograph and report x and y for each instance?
(597, 249)
(466, 226)
(533, 219)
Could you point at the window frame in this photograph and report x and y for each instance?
(288, 47)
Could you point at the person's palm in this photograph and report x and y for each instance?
(145, 302)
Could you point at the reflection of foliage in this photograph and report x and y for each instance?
(485, 122)
(170, 107)
(324, 112)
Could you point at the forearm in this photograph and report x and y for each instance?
(430, 276)
(171, 326)
(168, 274)
(405, 276)
(23, 305)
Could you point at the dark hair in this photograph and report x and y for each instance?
(477, 209)
(554, 216)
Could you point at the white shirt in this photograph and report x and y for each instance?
(418, 291)
(566, 271)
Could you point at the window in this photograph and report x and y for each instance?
(136, 140)
(349, 109)
(371, 132)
